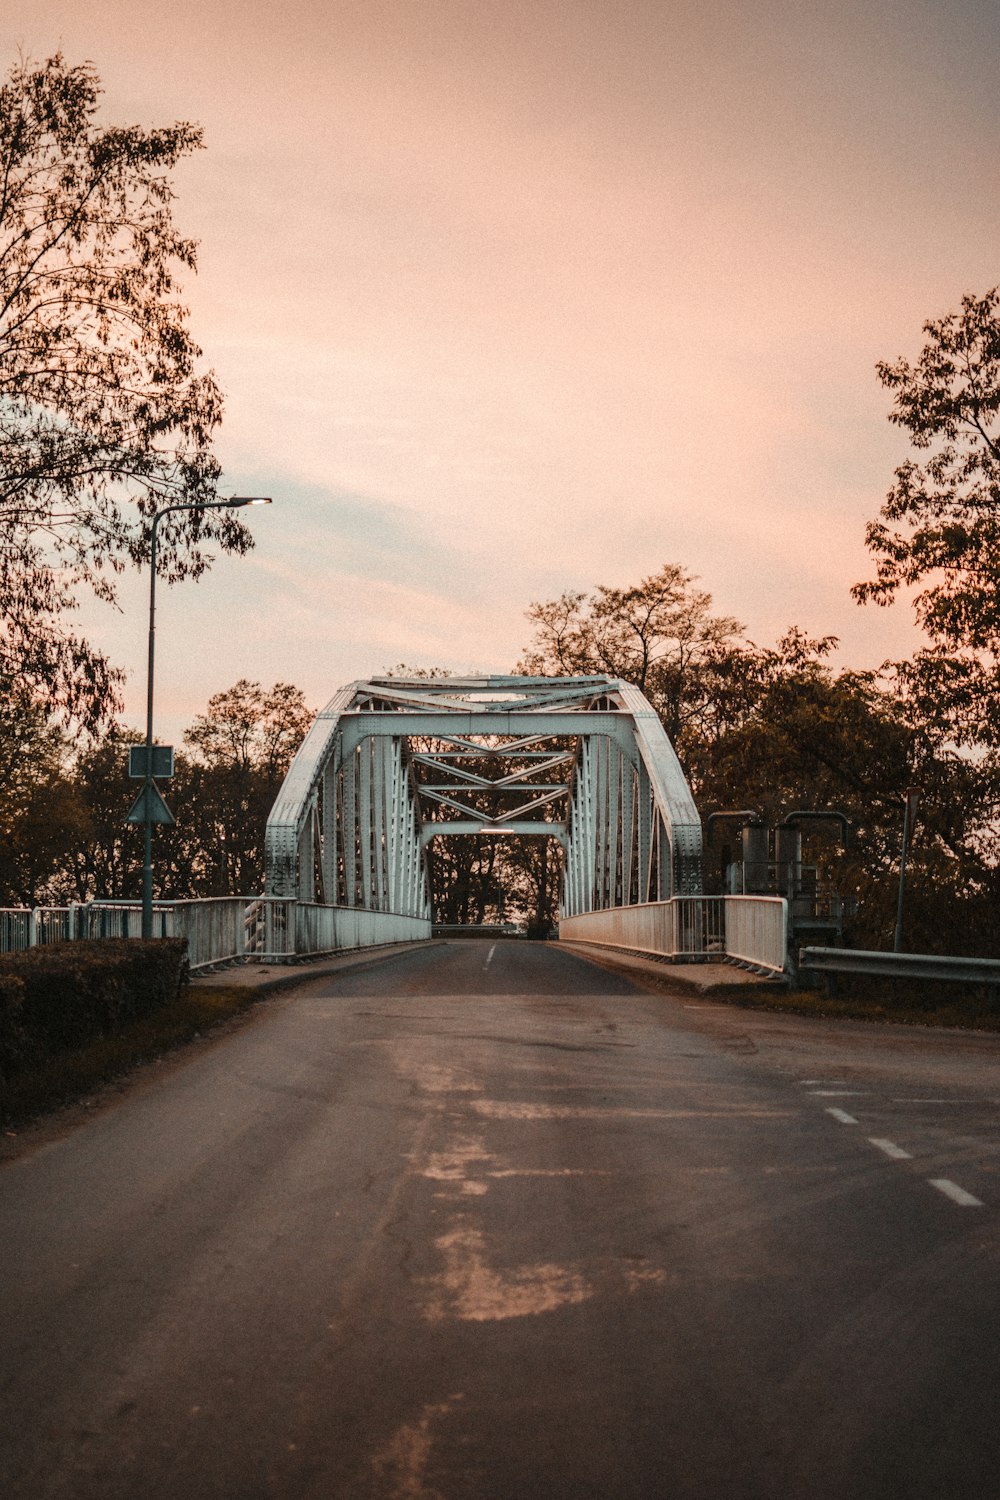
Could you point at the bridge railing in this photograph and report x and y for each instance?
(749, 929)
(15, 929)
(324, 929)
(218, 930)
(757, 931)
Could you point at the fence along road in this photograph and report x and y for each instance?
(485, 1220)
(750, 929)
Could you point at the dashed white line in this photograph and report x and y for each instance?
(890, 1148)
(489, 956)
(955, 1193)
(837, 1093)
(842, 1116)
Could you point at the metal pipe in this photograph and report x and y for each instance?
(821, 815)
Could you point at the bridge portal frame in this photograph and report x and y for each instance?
(359, 808)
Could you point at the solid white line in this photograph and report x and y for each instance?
(955, 1193)
(891, 1149)
(489, 956)
(842, 1116)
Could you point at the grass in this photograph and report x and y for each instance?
(903, 1002)
(72, 1075)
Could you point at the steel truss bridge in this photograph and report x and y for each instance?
(393, 763)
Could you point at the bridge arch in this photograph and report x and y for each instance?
(392, 763)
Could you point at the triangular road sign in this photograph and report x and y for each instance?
(149, 807)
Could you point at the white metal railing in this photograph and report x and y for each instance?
(757, 931)
(322, 929)
(217, 929)
(15, 929)
(214, 929)
(750, 929)
(111, 919)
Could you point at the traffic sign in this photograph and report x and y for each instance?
(163, 761)
(149, 807)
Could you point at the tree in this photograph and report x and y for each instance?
(103, 415)
(660, 635)
(821, 739)
(240, 751)
(40, 816)
(106, 862)
(940, 526)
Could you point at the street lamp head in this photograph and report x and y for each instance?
(237, 500)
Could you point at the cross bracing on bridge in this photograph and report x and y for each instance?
(393, 763)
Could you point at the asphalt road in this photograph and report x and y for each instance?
(495, 1222)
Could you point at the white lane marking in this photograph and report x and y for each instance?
(701, 1007)
(890, 1148)
(932, 1101)
(489, 956)
(955, 1193)
(842, 1116)
(838, 1093)
(807, 1083)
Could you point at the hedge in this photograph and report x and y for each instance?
(62, 995)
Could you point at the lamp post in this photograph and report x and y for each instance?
(148, 786)
(909, 818)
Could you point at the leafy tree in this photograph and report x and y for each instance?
(821, 739)
(660, 635)
(40, 818)
(240, 751)
(940, 526)
(533, 874)
(779, 729)
(103, 415)
(106, 862)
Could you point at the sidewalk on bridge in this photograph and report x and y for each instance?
(282, 976)
(720, 980)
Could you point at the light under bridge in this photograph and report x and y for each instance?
(392, 764)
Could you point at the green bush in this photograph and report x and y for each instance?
(13, 1039)
(62, 995)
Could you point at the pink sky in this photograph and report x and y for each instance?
(520, 297)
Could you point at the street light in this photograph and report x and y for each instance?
(148, 786)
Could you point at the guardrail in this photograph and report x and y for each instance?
(749, 929)
(946, 969)
(219, 929)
